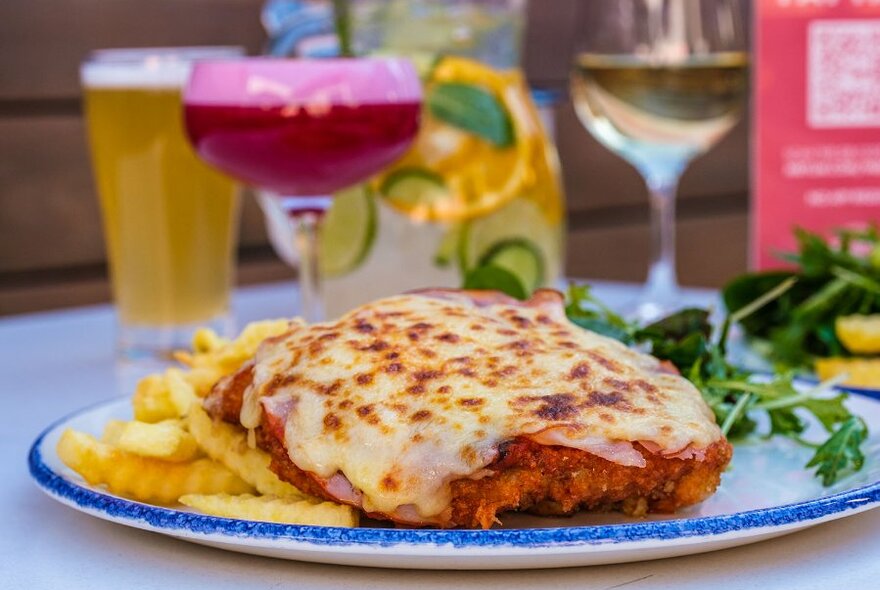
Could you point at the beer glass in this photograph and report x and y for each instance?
(170, 222)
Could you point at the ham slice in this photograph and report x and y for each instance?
(686, 453)
(620, 452)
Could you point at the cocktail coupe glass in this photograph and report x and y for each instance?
(659, 82)
(303, 129)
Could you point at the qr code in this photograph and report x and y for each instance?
(843, 72)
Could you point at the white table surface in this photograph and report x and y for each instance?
(54, 363)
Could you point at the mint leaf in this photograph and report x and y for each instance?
(495, 278)
(841, 452)
(472, 109)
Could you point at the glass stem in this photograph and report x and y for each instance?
(342, 21)
(307, 228)
(662, 284)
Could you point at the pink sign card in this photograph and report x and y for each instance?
(816, 157)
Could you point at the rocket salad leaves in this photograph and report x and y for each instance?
(832, 281)
(843, 448)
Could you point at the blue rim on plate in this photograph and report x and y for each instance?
(199, 524)
(870, 392)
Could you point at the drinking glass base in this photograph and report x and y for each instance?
(646, 308)
(139, 344)
(144, 350)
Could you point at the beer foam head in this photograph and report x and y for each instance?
(165, 67)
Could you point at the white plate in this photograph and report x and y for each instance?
(765, 493)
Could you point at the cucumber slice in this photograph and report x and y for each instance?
(348, 231)
(538, 256)
(521, 258)
(414, 189)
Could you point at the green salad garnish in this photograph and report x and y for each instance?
(830, 280)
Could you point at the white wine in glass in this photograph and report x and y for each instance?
(663, 90)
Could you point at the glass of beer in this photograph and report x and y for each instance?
(170, 222)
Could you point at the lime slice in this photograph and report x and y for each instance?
(348, 231)
(521, 258)
(517, 237)
(415, 190)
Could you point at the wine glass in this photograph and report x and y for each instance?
(303, 129)
(659, 82)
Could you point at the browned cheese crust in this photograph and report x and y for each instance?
(526, 476)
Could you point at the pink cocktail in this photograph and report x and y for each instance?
(303, 129)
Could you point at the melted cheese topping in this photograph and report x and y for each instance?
(406, 394)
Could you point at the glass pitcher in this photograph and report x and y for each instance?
(479, 195)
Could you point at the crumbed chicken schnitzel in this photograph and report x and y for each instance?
(447, 408)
